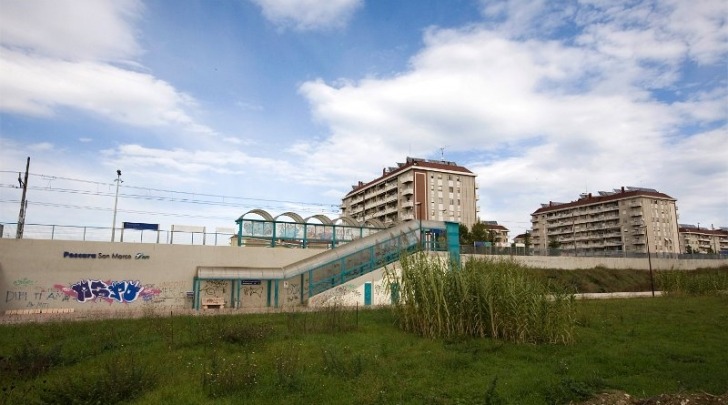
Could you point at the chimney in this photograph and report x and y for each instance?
(623, 189)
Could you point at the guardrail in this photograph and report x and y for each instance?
(522, 251)
(103, 234)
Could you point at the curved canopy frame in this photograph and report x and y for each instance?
(263, 213)
(295, 217)
(347, 220)
(321, 217)
(375, 223)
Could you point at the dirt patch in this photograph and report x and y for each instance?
(622, 398)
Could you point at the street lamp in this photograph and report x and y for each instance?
(116, 202)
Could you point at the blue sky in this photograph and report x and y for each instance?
(213, 108)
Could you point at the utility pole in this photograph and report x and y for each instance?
(23, 201)
(649, 259)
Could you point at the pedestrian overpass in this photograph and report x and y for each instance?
(337, 266)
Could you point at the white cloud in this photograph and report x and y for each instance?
(554, 117)
(71, 29)
(67, 54)
(33, 85)
(192, 163)
(309, 14)
(41, 147)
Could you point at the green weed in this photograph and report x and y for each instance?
(123, 378)
(227, 376)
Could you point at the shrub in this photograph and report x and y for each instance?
(30, 361)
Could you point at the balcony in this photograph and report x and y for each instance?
(407, 216)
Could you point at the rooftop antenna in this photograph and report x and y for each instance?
(442, 153)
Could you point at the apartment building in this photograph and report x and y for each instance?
(499, 233)
(694, 239)
(627, 219)
(418, 189)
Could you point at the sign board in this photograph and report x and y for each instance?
(141, 226)
(251, 282)
(188, 228)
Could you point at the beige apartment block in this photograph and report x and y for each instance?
(694, 239)
(624, 220)
(499, 233)
(418, 189)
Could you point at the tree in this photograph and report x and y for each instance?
(554, 243)
(465, 237)
(478, 232)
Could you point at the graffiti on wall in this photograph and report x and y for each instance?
(35, 298)
(293, 292)
(339, 295)
(23, 282)
(110, 291)
(214, 287)
(252, 290)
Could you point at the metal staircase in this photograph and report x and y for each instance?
(342, 264)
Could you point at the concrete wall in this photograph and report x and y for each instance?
(353, 293)
(51, 274)
(58, 275)
(575, 263)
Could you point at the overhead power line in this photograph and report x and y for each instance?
(51, 178)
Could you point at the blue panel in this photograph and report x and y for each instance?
(453, 242)
(367, 293)
(141, 226)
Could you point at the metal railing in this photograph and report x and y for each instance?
(103, 234)
(522, 251)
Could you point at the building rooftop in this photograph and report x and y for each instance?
(494, 225)
(604, 196)
(410, 163)
(683, 228)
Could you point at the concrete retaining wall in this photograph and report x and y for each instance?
(60, 276)
(575, 263)
(104, 276)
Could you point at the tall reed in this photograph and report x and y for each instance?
(485, 297)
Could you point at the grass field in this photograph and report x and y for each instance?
(642, 346)
(602, 280)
